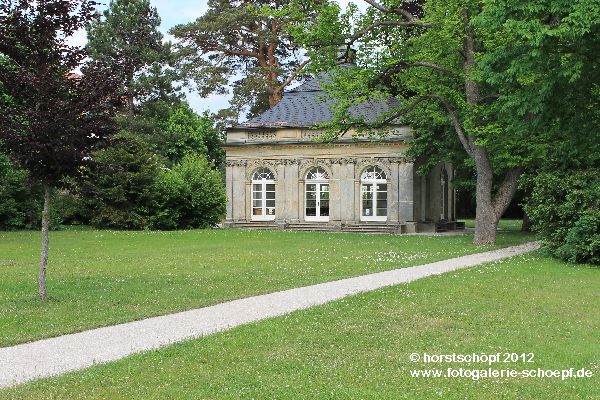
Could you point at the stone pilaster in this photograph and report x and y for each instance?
(405, 194)
(289, 181)
(239, 192)
(281, 198)
(395, 190)
(229, 191)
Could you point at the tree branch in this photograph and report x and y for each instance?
(507, 190)
(404, 65)
(378, 6)
(241, 53)
(369, 28)
(408, 109)
(293, 75)
(462, 136)
(399, 11)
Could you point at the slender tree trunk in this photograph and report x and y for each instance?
(526, 226)
(44, 259)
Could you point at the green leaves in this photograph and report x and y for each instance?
(565, 210)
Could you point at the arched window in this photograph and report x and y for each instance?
(373, 192)
(317, 195)
(263, 195)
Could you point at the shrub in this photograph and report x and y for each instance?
(190, 195)
(68, 209)
(15, 196)
(565, 211)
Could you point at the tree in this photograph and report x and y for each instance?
(426, 56)
(50, 118)
(127, 34)
(244, 41)
(172, 130)
(541, 55)
(117, 184)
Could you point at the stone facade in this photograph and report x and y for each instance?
(407, 202)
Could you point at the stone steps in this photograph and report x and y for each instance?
(311, 227)
(372, 228)
(258, 225)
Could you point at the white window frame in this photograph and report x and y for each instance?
(365, 180)
(263, 182)
(318, 182)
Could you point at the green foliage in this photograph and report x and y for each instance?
(190, 195)
(127, 187)
(541, 56)
(183, 132)
(68, 208)
(117, 187)
(20, 204)
(15, 196)
(565, 210)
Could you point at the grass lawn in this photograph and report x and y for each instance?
(359, 347)
(99, 278)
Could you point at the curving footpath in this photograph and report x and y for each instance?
(55, 356)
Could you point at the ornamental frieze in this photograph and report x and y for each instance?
(236, 163)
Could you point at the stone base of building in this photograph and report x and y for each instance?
(360, 227)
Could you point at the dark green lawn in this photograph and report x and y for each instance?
(359, 347)
(98, 278)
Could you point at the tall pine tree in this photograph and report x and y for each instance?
(127, 34)
(243, 45)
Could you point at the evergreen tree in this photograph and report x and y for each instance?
(127, 34)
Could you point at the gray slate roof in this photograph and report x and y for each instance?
(308, 105)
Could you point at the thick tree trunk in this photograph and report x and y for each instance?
(275, 98)
(44, 259)
(486, 220)
(490, 206)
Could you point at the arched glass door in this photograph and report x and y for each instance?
(317, 195)
(263, 195)
(373, 193)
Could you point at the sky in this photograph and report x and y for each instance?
(174, 12)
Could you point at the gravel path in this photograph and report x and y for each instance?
(55, 356)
